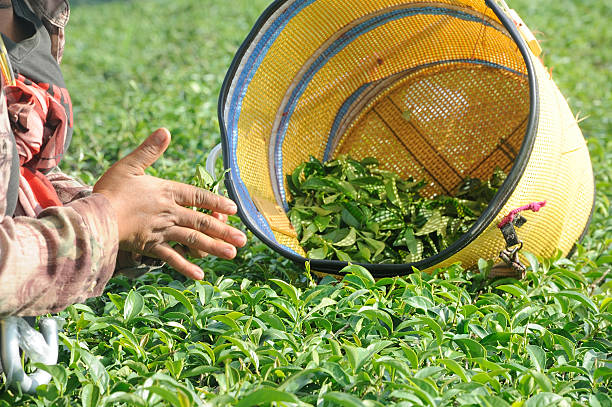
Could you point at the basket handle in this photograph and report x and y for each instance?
(212, 159)
(209, 166)
(41, 347)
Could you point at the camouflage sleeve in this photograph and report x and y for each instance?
(64, 256)
(68, 189)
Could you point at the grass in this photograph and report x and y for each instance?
(260, 330)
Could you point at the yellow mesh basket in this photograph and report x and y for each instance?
(439, 91)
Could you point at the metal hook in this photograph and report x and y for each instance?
(511, 266)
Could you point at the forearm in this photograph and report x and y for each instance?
(64, 256)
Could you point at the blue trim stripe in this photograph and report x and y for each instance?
(254, 61)
(251, 65)
(343, 109)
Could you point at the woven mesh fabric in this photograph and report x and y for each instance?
(433, 90)
(559, 171)
(437, 128)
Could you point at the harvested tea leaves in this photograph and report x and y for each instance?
(203, 179)
(353, 210)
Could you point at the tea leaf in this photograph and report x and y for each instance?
(401, 226)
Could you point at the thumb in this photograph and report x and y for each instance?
(149, 151)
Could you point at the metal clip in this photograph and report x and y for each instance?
(511, 265)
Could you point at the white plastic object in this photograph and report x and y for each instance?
(212, 159)
(41, 347)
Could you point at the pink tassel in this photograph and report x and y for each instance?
(534, 207)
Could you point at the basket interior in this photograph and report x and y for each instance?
(433, 90)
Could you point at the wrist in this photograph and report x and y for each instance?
(113, 212)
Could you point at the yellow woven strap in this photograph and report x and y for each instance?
(275, 215)
(526, 33)
(5, 65)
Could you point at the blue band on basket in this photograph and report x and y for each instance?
(341, 113)
(254, 61)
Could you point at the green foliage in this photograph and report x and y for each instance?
(243, 339)
(259, 331)
(353, 210)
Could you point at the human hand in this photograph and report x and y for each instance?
(151, 212)
(196, 253)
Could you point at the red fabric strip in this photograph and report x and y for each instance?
(41, 187)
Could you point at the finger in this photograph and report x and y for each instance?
(199, 241)
(148, 152)
(184, 251)
(176, 261)
(197, 254)
(210, 226)
(221, 216)
(189, 195)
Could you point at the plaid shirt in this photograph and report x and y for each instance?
(68, 253)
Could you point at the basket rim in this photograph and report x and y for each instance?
(388, 270)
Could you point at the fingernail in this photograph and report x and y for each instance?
(240, 238)
(199, 275)
(159, 137)
(230, 252)
(231, 207)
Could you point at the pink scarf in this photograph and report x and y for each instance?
(39, 124)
